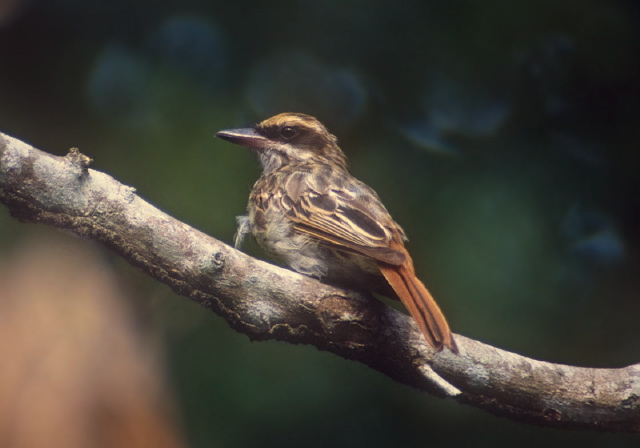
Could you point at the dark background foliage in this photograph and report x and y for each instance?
(502, 135)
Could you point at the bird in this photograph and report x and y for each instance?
(308, 212)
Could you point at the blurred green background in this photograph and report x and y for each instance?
(502, 135)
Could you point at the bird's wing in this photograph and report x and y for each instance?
(345, 213)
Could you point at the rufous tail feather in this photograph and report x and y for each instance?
(422, 307)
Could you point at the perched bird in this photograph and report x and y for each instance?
(307, 211)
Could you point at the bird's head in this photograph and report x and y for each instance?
(288, 138)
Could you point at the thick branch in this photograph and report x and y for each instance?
(267, 302)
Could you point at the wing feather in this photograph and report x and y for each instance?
(342, 217)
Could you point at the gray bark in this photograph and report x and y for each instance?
(268, 302)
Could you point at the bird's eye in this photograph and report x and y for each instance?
(288, 132)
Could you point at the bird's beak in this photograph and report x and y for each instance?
(245, 137)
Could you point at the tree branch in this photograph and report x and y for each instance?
(268, 302)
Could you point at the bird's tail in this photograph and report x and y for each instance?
(422, 307)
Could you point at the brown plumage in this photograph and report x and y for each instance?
(307, 211)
